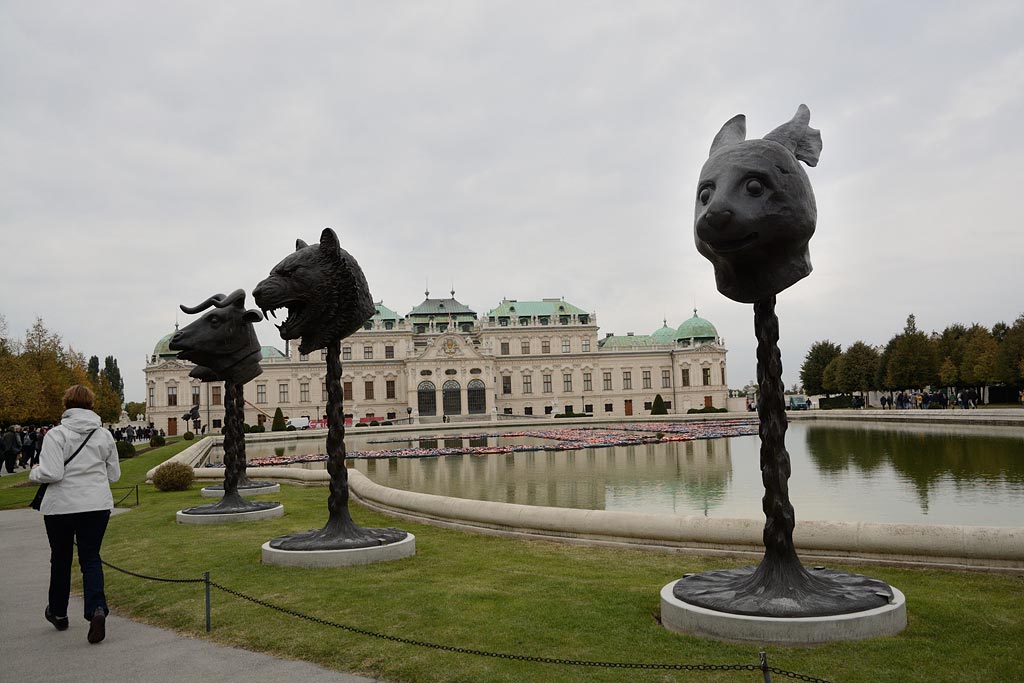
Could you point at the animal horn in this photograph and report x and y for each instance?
(236, 297)
(798, 137)
(212, 301)
(734, 131)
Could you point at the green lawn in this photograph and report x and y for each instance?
(512, 596)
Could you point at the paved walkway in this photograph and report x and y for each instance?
(34, 651)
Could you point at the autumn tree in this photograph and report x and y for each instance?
(978, 367)
(910, 363)
(858, 369)
(818, 357)
(830, 376)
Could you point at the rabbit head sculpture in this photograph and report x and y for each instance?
(755, 210)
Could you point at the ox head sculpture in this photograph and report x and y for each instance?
(223, 343)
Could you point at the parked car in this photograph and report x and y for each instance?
(798, 403)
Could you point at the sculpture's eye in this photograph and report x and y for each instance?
(214, 320)
(704, 195)
(755, 187)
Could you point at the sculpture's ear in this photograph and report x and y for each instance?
(734, 131)
(252, 316)
(299, 244)
(798, 137)
(329, 241)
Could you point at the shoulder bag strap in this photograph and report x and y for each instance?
(80, 447)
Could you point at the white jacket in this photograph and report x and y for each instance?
(85, 485)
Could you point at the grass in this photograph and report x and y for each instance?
(514, 596)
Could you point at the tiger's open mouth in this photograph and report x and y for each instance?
(292, 325)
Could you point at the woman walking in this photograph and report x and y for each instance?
(78, 461)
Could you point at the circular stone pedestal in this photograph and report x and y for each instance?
(682, 617)
(340, 558)
(230, 517)
(258, 490)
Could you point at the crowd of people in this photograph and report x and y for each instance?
(20, 447)
(907, 400)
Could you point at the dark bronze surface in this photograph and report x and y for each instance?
(327, 299)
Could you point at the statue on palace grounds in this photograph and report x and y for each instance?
(755, 215)
(224, 347)
(327, 298)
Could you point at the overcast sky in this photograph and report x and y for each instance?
(156, 153)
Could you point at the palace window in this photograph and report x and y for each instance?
(323, 390)
(545, 346)
(547, 384)
(323, 354)
(524, 347)
(567, 382)
(389, 351)
(566, 346)
(723, 376)
(347, 389)
(195, 396)
(627, 379)
(152, 396)
(368, 390)
(389, 389)
(504, 348)
(646, 379)
(346, 353)
(606, 379)
(215, 398)
(586, 346)
(282, 393)
(261, 393)
(706, 376)
(367, 352)
(506, 384)
(686, 377)
(476, 397)
(527, 384)
(666, 379)
(172, 396)
(304, 392)
(608, 407)
(588, 407)
(528, 410)
(303, 356)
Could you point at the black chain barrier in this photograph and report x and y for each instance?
(762, 667)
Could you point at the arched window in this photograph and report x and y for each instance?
(426, 399)
(451, 393)
(476, 397)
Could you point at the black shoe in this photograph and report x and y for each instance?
(59, 623)
(97, 626)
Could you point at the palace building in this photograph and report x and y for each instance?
(442, 359)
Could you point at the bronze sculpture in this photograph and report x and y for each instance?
(327, 298)
(224, 347)
(755, 214)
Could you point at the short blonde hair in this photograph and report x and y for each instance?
(79, 396)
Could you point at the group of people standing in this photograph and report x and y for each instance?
(924, 400)
(21, 448)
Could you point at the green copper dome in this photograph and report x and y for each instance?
(665, 335)
(162, 348)
(697, 328)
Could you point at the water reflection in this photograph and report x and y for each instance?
(925, 457)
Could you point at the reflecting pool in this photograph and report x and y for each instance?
(841, 471)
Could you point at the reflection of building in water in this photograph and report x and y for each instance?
(680, 476)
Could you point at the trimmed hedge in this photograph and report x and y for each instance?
(709, 409)
(125, 450)
(157, 441)
(188, 436)
(173, 476)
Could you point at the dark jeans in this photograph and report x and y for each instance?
(62, 531)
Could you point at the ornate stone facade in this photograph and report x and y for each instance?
(524, 358)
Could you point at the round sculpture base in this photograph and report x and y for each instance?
(257, 488)
(340, 558)
(682, 617)
(266, 511)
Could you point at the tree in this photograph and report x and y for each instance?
(113, 375)
(911, 359)
(830, 376)
(108, 403)
(658, 407)
(278, 424)
(134, 408)
(858, 369)
(94, 367)
(949, 376)
(818, 357)
(1010, 355)
(978, 367)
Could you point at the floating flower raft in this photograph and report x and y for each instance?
(563, 439)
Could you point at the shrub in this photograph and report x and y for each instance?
(374, 423)
(360, 424)
(386, 423)
(278, 425)
(246, 428)
(658, 407)
(157, 441)
(188, 436)
(571, 415)
(258, 429)
(709, 409)
(173, 476)
(125, 450)
(289, 428)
